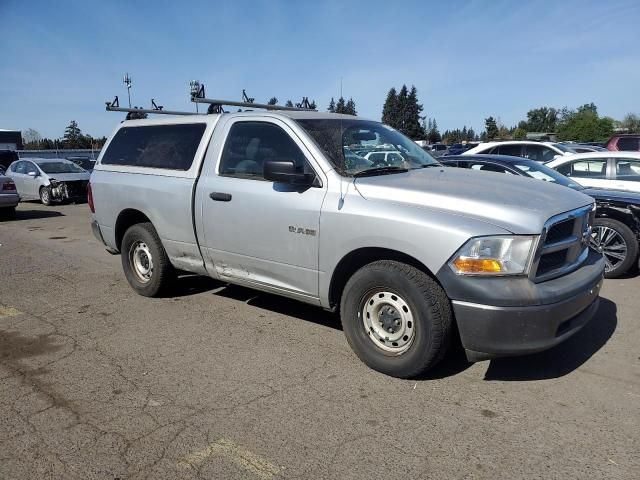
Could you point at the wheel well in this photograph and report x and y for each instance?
(623, 216)
(126, 219)
(357, 259)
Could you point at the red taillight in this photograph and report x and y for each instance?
(9, 186)
(90, 198)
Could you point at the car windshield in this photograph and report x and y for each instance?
(60, 167)
(542, 172)
(356, 146)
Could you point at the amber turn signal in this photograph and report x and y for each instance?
(477, 265)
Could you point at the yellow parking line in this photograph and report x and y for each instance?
(7, 311)
(242, 457)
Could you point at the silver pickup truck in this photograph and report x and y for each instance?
(298, 204)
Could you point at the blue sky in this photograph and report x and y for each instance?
(468, 59)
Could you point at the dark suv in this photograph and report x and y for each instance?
(7, 157)
(624, 142)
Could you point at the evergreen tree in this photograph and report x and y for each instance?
(401, 117)
(332, 106)
(471, 135)
(491, 128)
(72, 135)
(289, 103)
(350, 107)
(390, 109)
(341, 106)
(433, 135)
(312, 105)
(412, 127)
(272, 101)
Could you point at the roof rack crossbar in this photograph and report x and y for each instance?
(232, 103)
(146, 110)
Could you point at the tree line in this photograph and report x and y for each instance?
(73, 138)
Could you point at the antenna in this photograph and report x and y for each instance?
(127, 81)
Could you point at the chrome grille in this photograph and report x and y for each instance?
(564, 244)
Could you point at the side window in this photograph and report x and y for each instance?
(394, 158)
(596, 168)
(514, 150)
(171, 147)
(21, 167)
(376, 157)
(540, 153)
(249, 144)
(488, 167)
(628, 144)
(628, 169)
(30, 167)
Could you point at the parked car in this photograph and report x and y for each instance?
(538, 151)
(585, 148)
(385, 158)
(7, 157)
(85, 163)
(456, 149)
(624, 143)
(49, 179)
(616, 229)
(618, 171)
(438, 149)
(8, 197)
(266, 200)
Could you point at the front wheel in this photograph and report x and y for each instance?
(145, 261)
(396, 318)
(617, 243)
(45, 195)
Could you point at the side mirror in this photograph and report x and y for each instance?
(32, 173)
(284, 171)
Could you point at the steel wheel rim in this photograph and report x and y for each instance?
(141, 261)
(611, 244)
(388, 321)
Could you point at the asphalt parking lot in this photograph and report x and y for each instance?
(224, 382)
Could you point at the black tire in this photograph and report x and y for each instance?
(45, 196)
(429, 308)
(631, 241)
(161, 274)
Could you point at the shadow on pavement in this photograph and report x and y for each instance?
(34, 214)
(564, 358)
(194, 284)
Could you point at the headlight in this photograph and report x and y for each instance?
(501, 255)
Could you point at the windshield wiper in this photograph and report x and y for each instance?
(379, 171)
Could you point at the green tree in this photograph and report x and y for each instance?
(341, 106)
(631, 123)
(584, 125)
(491, 128)
(390, 109)
(471, 135)
(332, 106)
(73, 137)
(401, 117)
(350, 107)
(433, 135)
(519, 134)
(541, 119)
(273, 101)
(289, 103)
(412, 127)
(312, 105)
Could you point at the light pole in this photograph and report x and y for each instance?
(195, 88)
(127, 81)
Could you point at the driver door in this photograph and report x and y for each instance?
(259, 232)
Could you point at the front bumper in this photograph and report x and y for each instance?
(543, 316)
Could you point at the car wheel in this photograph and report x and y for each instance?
(45, 195)
(145, 261)
(617, 243)
(396, 318)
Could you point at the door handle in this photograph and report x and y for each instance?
(220, 197)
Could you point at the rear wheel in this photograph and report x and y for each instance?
(145, 261)
(396, 318)
(45, 195)
(617, 243)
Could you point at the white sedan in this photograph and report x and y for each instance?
(613, 170)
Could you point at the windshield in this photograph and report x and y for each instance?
(542, 172)
(60, 167)
(355, 146)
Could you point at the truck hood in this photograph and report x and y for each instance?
(69, 177)
(518, 204)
